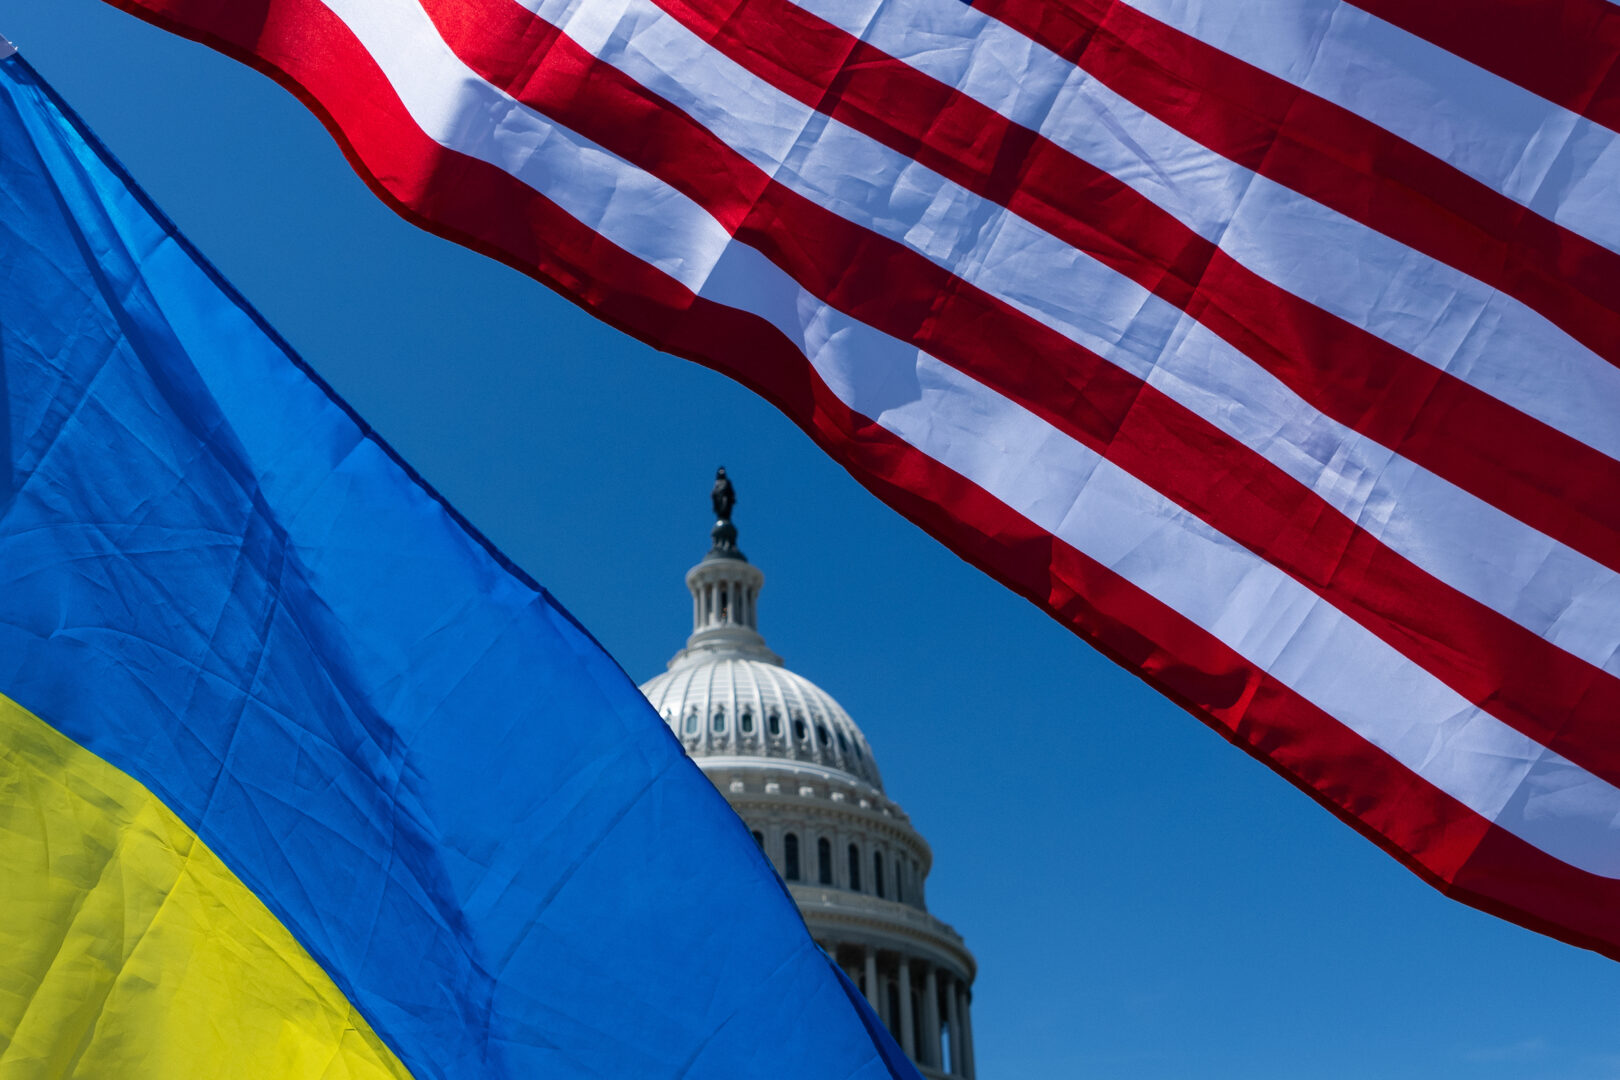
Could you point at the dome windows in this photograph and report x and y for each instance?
(877, 873)
(854, 868)
(790, 856)
(824, 873)
(749, 707)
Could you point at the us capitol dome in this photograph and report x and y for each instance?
(796, 768)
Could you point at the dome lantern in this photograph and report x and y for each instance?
(725, 592)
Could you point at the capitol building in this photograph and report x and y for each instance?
(801, 775)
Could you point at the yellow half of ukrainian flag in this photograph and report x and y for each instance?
(129, 947)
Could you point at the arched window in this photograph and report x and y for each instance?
(799, 730)
(691, 722)
(854, 868)
(759, 838)
(821, 733)
(900, 881)
(774, 722)
(877, 872)
(824, 861)
(719, 720)
(790, 856)
(748, 721)
(843, 746)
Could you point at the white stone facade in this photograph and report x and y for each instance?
(802, 776)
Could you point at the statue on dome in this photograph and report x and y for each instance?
(722, 495)
(724, 534)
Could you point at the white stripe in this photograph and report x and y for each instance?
(1461, 540)
(456, 108)
(1420, 305)
(1257, 610)
(1540, 155)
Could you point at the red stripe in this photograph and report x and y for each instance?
(1335, 157)
(1543, 691)
(1567, 51)
(1540, 475)
(300, 44)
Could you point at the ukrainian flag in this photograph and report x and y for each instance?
(299, 777)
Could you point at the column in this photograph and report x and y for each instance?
(773, 848)
(954, 1016)
(967, 1035)
(908, 1038)
(883, 1003)
(869, 981)
(930, 1018)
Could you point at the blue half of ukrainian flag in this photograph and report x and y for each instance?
(298, 775)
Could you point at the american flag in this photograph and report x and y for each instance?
(1270, 345)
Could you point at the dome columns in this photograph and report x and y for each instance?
(725, 592)
(956, 1017)
(908, 1022)
(930, 1054)
(941, 1045)
(869, 981)
(924, 1004)
(725, 610)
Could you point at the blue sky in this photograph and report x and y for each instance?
(1145, 901)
